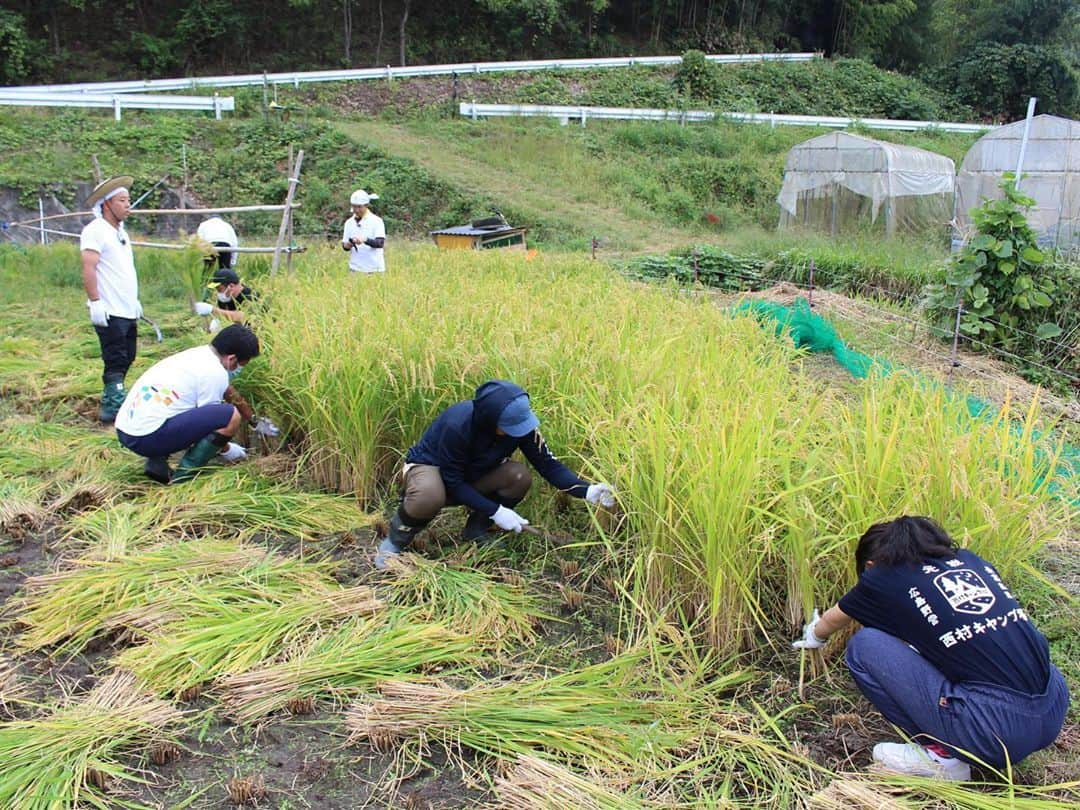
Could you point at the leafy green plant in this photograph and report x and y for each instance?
(996, 278)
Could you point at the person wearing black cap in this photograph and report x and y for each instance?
(231, 294)
(464, 458)
(112, 287)
(184, 401)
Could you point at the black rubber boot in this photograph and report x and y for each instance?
(403, 528)
(197, 456)
(476, 528)
(112, 397)
(157, 468)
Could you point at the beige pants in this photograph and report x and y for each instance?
(425, 495)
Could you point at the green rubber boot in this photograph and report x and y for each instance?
(197, 457)
(112, 397)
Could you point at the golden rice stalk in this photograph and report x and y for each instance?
(21, 513)
(536, 784)
(225, 631)
(497, 614)
(69, 607)
(12, 688)
(67, 758)
(246, 789)
(853, 794)
(349, 660)
(595, 716)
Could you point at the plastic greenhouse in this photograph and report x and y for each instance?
(840, 181)
(1050, 175)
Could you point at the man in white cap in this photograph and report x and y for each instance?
(364, 236)
(112, 287)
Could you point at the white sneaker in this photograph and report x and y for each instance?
(914, 760)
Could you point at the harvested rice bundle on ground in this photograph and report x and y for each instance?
(73, 756)
(12, 688)
(238, 498)
(66, 609)
(350, 660)
(497, 614)
(227, 628)
(535, 784)
(595, 717)
(21, 512)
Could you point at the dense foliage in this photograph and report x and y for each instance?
(47, 41)
(1008, 291)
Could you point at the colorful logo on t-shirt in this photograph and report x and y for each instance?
(164, 396)
(965, 590)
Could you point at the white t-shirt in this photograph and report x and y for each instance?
(180, 382)
(364, 259)
(118, 286)
(216, 229)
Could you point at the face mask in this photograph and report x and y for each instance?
(223, 298)
(234, 373)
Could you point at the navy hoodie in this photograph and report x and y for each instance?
(463, 444)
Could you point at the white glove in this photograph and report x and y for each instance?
(810, 639)
(98, 315)
(264, 427)
(203, 308)
(138, 309)
(508, 520)
(233, 452)
(602, 494)
(215, 324)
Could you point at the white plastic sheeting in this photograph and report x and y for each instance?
(840, 180)
(1050, 175)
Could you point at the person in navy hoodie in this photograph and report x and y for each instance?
(464, 458)
(946, 654)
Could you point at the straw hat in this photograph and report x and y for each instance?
(107, 187)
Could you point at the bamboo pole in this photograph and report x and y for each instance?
(177, 245)
(286, 216)
(226, 210)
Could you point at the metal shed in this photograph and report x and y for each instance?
(469, 237)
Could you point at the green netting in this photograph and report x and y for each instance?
(812, 332)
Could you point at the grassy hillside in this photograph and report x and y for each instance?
(634, 186)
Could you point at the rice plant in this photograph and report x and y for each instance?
(75, 756)
(346, 661)
(498, 615)
(225, 629)
(536, 784)
(597, 717)
(135, 593)
(744, 479)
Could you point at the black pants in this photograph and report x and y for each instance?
(118, 341)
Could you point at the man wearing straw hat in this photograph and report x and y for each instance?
(364, 235)
(464, 458)
(112, 287)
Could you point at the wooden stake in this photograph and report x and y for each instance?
(286, 216)
(288, 256)
(97, 170)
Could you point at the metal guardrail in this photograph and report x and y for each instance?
(567, 113)
(390, 73)
(117, 101)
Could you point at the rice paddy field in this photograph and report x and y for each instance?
(227, 642)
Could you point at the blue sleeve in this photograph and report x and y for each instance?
(455, 451)
(554, 471)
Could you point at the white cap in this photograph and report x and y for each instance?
(361, 197)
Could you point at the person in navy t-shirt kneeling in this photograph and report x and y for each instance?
(946, 654)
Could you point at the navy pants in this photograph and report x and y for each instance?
(118, 340)
(179, 432)
(979, 722)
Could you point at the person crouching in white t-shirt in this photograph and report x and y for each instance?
(183, 402)
(364, 235)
